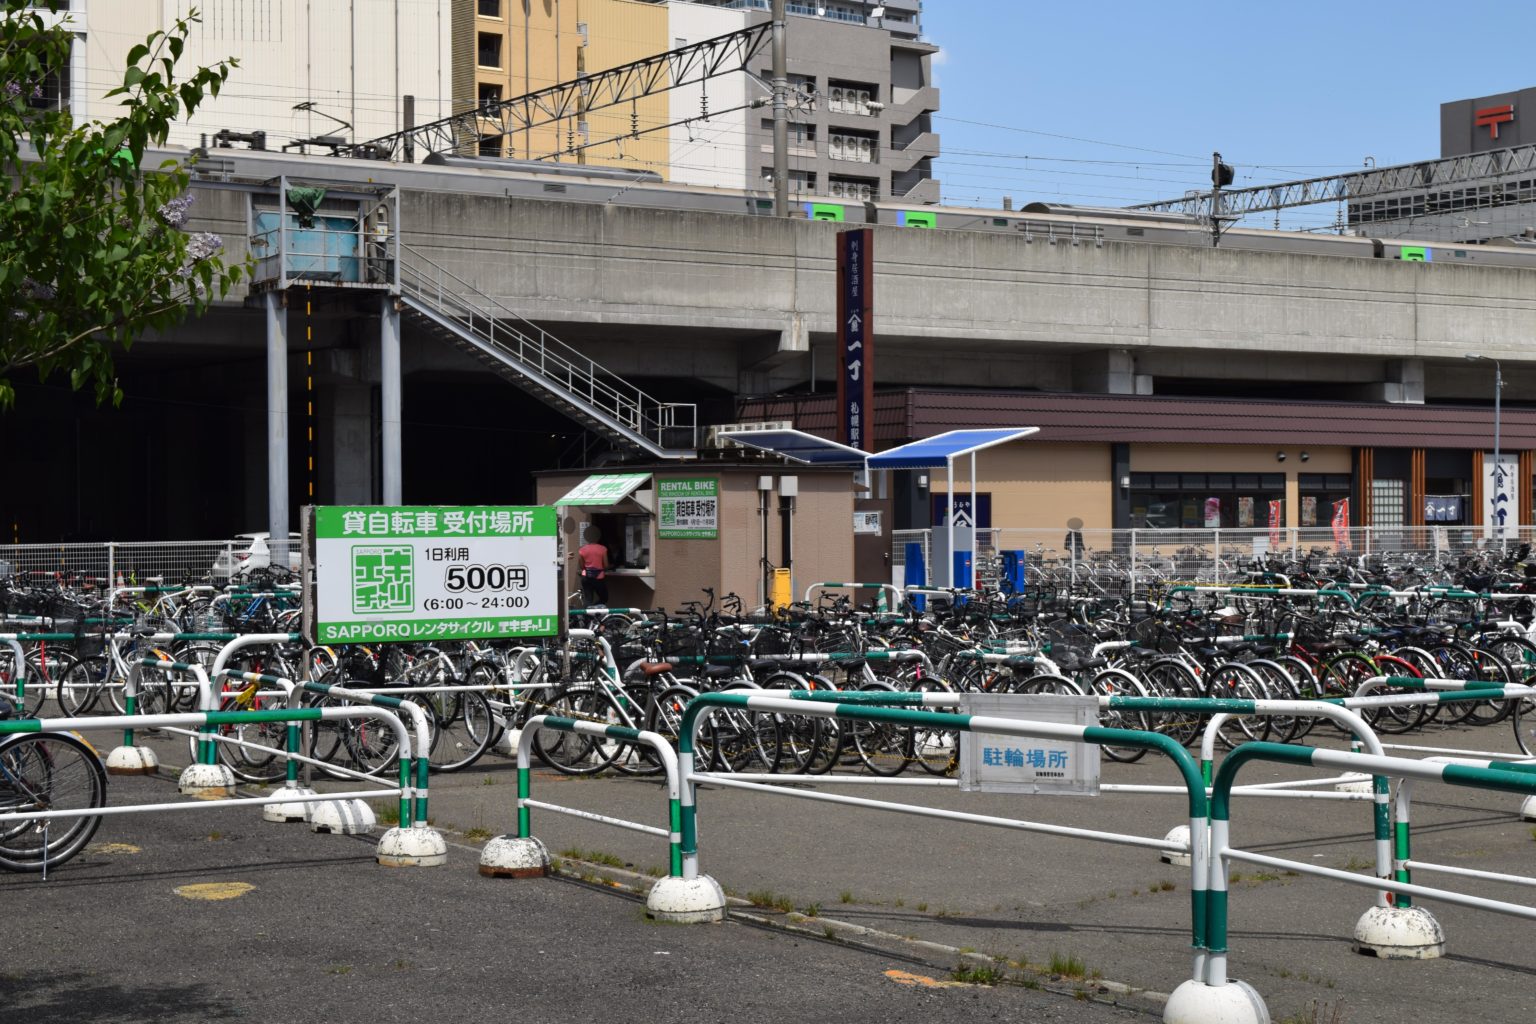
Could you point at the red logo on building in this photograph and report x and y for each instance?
(1492, 117)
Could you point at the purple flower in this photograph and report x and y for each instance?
(174, 211)
(13, 88)
(203, 245)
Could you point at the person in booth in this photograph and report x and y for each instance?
(594, 569)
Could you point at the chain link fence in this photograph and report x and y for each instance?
(1215, 556)
(131, 564)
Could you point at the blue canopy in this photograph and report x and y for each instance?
(937, 451)
(799, 446)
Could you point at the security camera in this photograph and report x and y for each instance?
(1279, 456)
(1305, 456)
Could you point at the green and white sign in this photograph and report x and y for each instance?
(688, 509)
(415, 574)
(604, 489)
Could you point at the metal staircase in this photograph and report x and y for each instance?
(452, 310)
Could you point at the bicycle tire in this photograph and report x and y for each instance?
(48, 771)
(465, 730)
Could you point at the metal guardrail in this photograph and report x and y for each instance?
(610, 401)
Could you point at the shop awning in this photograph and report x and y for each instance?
(941, 449)
(799, 446)
(603, 489)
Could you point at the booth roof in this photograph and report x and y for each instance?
(799, 446)
(937, 451)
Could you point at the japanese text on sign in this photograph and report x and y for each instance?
(1007, 763)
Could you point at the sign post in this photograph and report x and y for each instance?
(413, 574)
(855, 337)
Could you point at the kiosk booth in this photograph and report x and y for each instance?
(674, 529)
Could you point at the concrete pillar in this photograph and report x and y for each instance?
(346, 434)
(277, 417)
(389, 389)
(1405, 382)
(1109, 372)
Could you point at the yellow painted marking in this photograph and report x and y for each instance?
(921, 980)
(113, 849)
(214, 890)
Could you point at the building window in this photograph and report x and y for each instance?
(1204, 501)
(1389, 501)
(857, 147)
(851, 98)
(853, 188)
(489, 54)
(490, 145)
(490, 95)
(489, 8)
(1320, 494)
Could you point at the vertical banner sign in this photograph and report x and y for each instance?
(1274, 526)
(1341, 523)
(688, 509)
(855, 337)
(399, 574)
(1499, 515)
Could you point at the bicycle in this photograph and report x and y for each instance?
(47, 771)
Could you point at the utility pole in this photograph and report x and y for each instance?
(780, 115)
(1221, 174)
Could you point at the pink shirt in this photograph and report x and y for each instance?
(593, 556)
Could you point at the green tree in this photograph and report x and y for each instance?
(92, 248)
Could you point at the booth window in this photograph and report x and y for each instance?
(1172, 501)
(627, 536)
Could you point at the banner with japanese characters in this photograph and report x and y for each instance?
(415, 574)
(1005, 763)
(855, 337)
(688, 509)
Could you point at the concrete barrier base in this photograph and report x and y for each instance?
(1399, 933)
(416, 847)
(207, 781)
(686, 900)
(511, 857)
(296, 811)
(342, 817)
(1195, 1002)
(132, 761)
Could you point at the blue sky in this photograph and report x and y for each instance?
(1110, 103)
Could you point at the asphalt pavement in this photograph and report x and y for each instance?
(865, 914)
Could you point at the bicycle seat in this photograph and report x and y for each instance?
(656, 668)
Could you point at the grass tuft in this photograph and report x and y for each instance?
(977, 974)
(1068, 966)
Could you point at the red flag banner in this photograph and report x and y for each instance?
(1274, 526)
(1341, 523)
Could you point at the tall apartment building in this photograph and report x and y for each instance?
(338, 68)
(860, 125)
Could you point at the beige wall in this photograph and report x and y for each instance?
(1035, 483)
(538, 50)
(823, 539)
(619, 32)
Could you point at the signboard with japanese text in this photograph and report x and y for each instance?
(688, 509)
(855, 338)
(1499, 495)
(997, 763)
(866, 522)
(603, 489)
(979, 517)
(416, 574)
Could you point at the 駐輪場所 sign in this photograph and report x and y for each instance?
(434, 573)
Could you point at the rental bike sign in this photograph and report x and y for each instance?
(413, 574)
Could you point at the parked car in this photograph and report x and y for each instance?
(251, 551)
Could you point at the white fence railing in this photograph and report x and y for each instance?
(1210, 555)
(134, 563)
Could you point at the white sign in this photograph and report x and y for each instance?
(996, 763)
(1501, 505)
(384, 575)
(866, 522)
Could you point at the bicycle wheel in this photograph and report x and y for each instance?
(83, 684)
(1236, 681)
(465, 729)
(572, 753)
(1168, 677)
(48, 772)
(1112, 683)
(884, 749)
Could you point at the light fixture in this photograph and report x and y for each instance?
(878, 12)
(1279, 456)
(1305, 456)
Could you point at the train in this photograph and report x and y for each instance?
(1044, 222)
